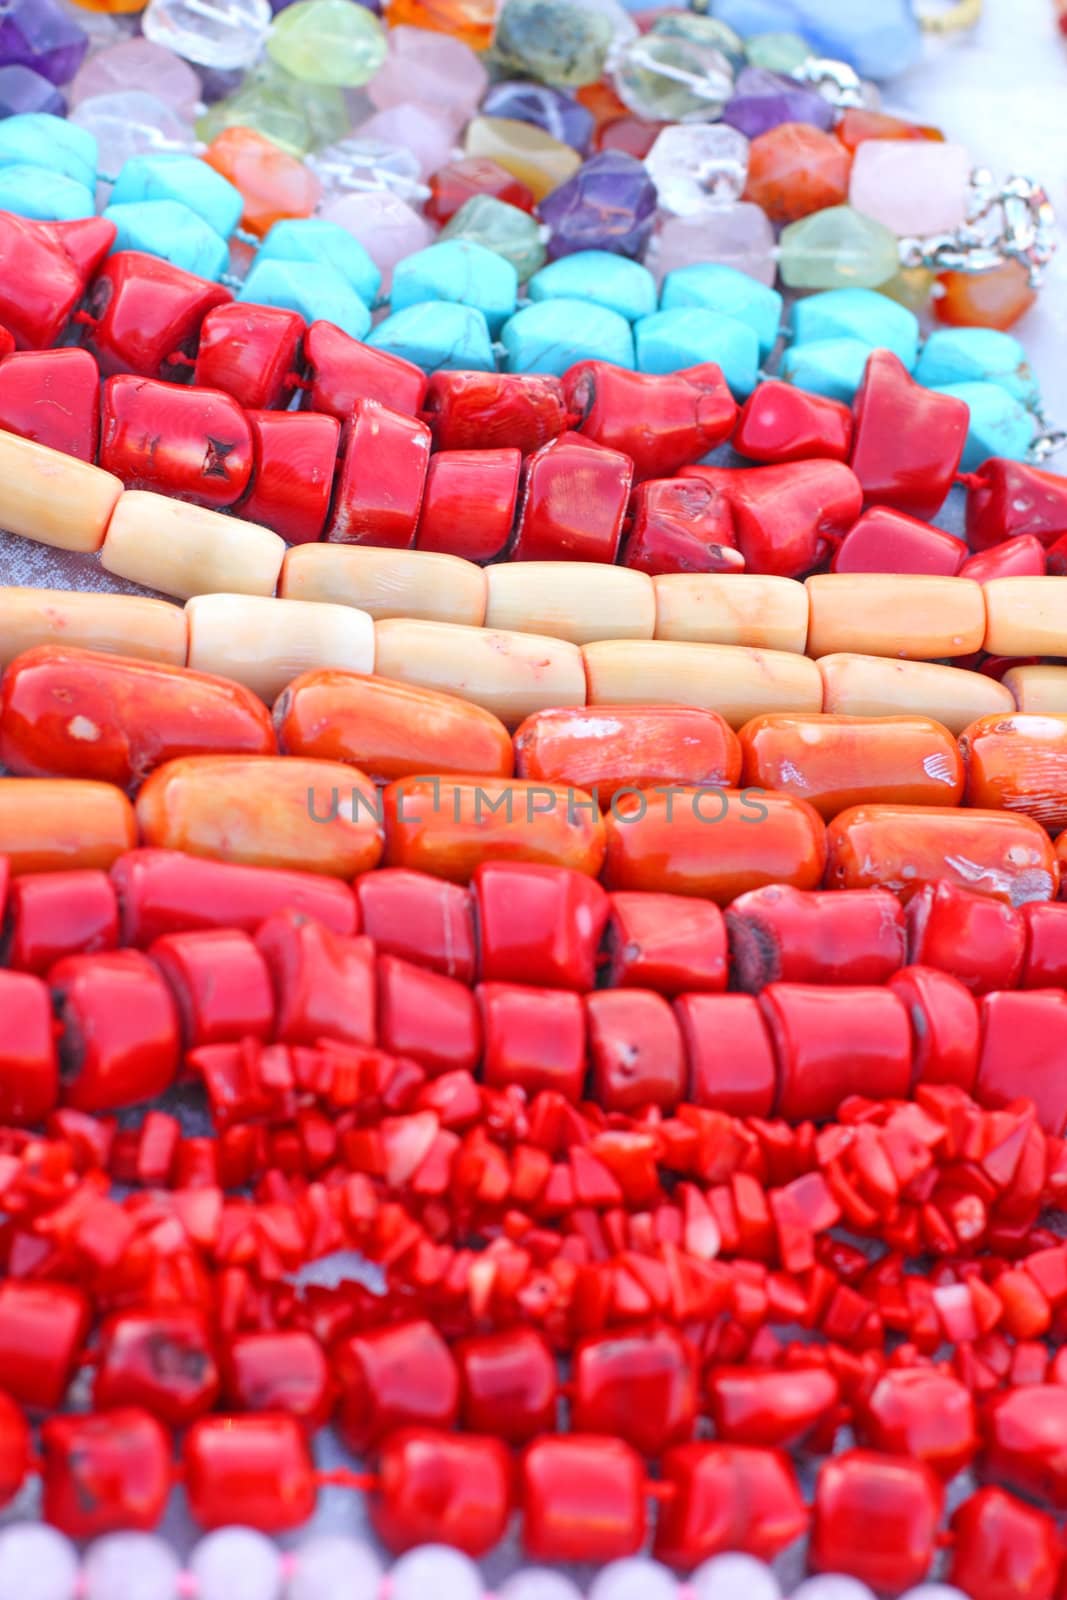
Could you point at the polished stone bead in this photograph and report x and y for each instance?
(635, 1578)
(221, 34)
(558, 114)
(386, 227)
(460, 180)
(879, 38)
(538, 1583)
(982, 355)
(218, 84)
(911, 186)
(235, 1562)
(436, 335)
(910, 287)
(437, 1571)
(737, 236)
(469, 20)
(128, 124)
(42, 195)
(862, 314)
(837, 249)
(429, 69)
(762, 100)
(830, 367)
(334, 1567)
(22, 90)
(185, 179)
(36, 139)
(314, 239)
(994, 299)
(668, 78)
(552, 335)
(296, 116)
(795, 169)
(999, 425)
(38, 34)
(314, 289)
(328, 41)
(512, 233)
(152, 68)
(461, 271)
(172, 231)
(427, 132)
(733, 293)
(528, 153)
(36, 1563)
(688, 336)
(130, 1566)
(600, 277)
(702, 29)
(777, 52)
(609, 204)
(696, 165)
(734, 1577)
(273, 184)
(561, 43)
(354, 165)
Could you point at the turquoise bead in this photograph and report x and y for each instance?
(328, 244)
(552, 335)
(721, 288)
(36, 139)
(191, 182)
(881, 323)
(688, 335)
(167, 229)
(437, 334)
(599, 276)
(317, 291)
(43, 195)
(999, 425)
(830, 367)
(983, 355)
(459, 271)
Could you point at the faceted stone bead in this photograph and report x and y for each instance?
(631, 135)
(911, 187)
(334, 1567)
(185, 179)
(314, 289)
(705, 30)
(879, 38)
(795, 169)
(977, 355)
(461, 271)
(737, 236)
(326, 243)
(42, 195)
(385, 226)
(609, 204)
(172, 231)
(427, 132)
(458, 181)
(552, 335)
(429, 69)
(564, 118)
(218, 33)
(865, 315)
(668, 78)
(436, 335)
(137, 1566)
(35, 139)
(469, 20)
(557, 41)
(600, 277)
(777, 52)
(528, 153)
(999, 425)
(837, 249)
(858, 125)
(328, 41)
(294, 115)
(512, 233)
(994, 299)
(688, 336)
(38, 34)
(356, 165)
(910, 287)
(152, 68)
(129, 123)
(830, 367)
(22, 89)
(273, 184)
(719, 288)
(696, 165)
(217, 85)
(36, 1563)
(601, 99)
(762, 100)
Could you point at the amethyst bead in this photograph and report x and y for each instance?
(609, 204)
(762, 100)
(35, 33)
(565, 119)
(22, 89)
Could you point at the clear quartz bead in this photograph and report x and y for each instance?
(236, 1564)
(668, 78)
(129, 124)
(734, 1577)
(698, 164)
(36, 1563)
(353, 166)
(135, 1566)
(335, 1568)
(218, 33)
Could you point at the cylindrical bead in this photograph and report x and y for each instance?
(47, 824)
(738, 683)
(220, 984)
(732, 1066)
(264, 643)
(421, 918)
(449, 826)
(784, 934)
(876, 686)
(184, 550)
(832, 1043)
(605, 749)
(43, 1328)
(387, 583)
(901, 847)
(583, 1499)
(105, 1472)
(189, 444)
(727, 1497)
(252, 1470)
(292, 479)
(52, 498)
(1037, 690)
(538, 924)
(55, 914)
(469, 504)
(127, 624)
(450, 1489)
(1026, 617)
(876, 1519)
(980, 940)
(917, 618)
(1024, 1045)
(510, 674)
(766, 613)
(119, 1041)
(576, 600)
(674, 944)
(29, 1072)
(1019, 763)
(944, 1026)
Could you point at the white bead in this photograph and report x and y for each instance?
(538, 1583)
(934, 1591)
(634, 1579)
(36, 1563)
(832, 1586)
(435, 1572)
(335, 1568)
(216, 33)
(236, 1564)
(136, 1566)
(734, 1577)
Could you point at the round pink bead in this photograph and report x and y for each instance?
(734, 1577)
(538, 1583)
(36, 1563)
(136, 1566)
(934, 1591)
(236, 1564)
(832, 1586)
(434, 1572)
(335, 1568)
(634, 1579)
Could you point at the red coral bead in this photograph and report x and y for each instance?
(391, 1378)
(510, 1384)
(221, 985)
(981, 941)
(1024, 1046)
(1026, 1441)
(255, 1471)
(923, 1413)
(636, 1050)
(910, 466)
(55, 914)
(105, 1471)
(534, 1038)
(944, 1024)
(732, 1063)
(343, 370)
(832, 1043)
(424, 1015)
(814, 936)
(611, 750)
(53, 397)
(380, 480)
(583, 1499)
(161, 1360)
(422, 918)
(43, 1327)
(787, 518)
(29, 1070)
(680, 525)
(640, 1387)
(661, 422)
(1024, 557)
(494, 410)
(876, 1519)
(190, 444)
(292, 479)
(468, 508)
(780, 422)
(15, 1444)
(773, 1409)
(325, 983)
(45, 268)
(251, 353)
(884, 540)
(538, 924)
(1009, 499)
(1045, 966)
(120, 1035)
(554, 523)
(439, 1488)
(283, 1370)
(668, 942)
(1003, 1549)
(727, 1497)
(147, 315)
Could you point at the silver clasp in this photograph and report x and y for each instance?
(1011, 221)
(835, 81)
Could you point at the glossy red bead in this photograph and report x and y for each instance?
(105, 1472)
(680, 525)
(661, 422)
(120, 1040)
(146, 315)
(635, 1050)
(944, 1025)
(468, 508)
(295, 454)
(780, 933)
(43, 1328)
(583, 1499)
(787, 518)
(379, 484)
(1003, 1549)
(343, 370)
(1024, 557)
(325, 983)
(255, 1471)
(775, 1409)
(875, 1519)
(190, 444)
(884, 540)
(509, 1384)
(53, 397)
(727, 1497)
(395, 1377)
(672, 943)
(832, 1043)
(424, 1015)
(780, 422)
(15, 1446)
(494, 410)
(921, 1412)
(1045, 963)
(908, 465)
(220, 983)
(640, 1387)
(1024, 1046)
(555, 523)
(732, 1064)
(1025, 1432)
(538, 924)
(424, 919)
(442, 1489)
(55, 914)
(45, 268)
(534, 1038)
(979, 940)
(1009, 499)
(251, 353)
(460, 180)
(279, 1370)
(162, 1360)
(29, 1070)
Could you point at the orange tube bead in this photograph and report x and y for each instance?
(389, 729)
(605, 749)
(449, 826)
(265, 811)
(902, 847)
(836, 762)
(1018, 763)
(76, 713)
(715, 843)
(49, 824)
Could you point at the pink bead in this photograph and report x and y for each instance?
(429, 133)
(911, 186)
(934, 1591)
(434, 1572)
(538, 1583)
(383, 223)
(832, 1586)
(736, 236)
(335, 1568)
(637, 1578)
(236, 1564)
(148, 66)
(37, 1563)
(429, 69)
(135, 1566)
(734, 1577)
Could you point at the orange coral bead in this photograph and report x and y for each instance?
(274, 185)
(601, 99)
(472, 21)
(995, 299)
(856, 126)
(795, 169)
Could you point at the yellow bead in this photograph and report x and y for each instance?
(527, 152)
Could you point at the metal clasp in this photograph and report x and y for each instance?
(836, 81)
(1012, 221)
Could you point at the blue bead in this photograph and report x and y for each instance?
(984, 355)
(999, 425)
(458, 270)
(186, 179)
(862, 314)
(436, 335)
(552, 335)
(317, 291)
(879, 38)
(36, 139)
(721, 288)
(43, 195)
(600, 277)
(167, 229)
(669, 340)
(831, 367)
(314, 239)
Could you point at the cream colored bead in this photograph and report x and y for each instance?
(266, 643)
(732, 608)
(185, 550)
(1038, 689)
(906, 615)
(119, 624)
(424, 584)
(575, 600)
(737, 682)
(510, 674)
(1026, 616)
(53, 498)
(873, 686)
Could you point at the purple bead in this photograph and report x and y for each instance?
(22, 89)
(35, 33)
(216, 84)
(565, 119)
(762, 100)
(609, 204)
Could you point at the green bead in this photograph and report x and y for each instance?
(778, 52)
(665, 77)
(702, 30)
(297, 116)
(837, 249)
(563, 44)
(512, 233)
(328, 41)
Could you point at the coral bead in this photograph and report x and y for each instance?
(640, 1387)
(43, 1327)
(775, 1409)
(285, 1371)
(876, 1519)
(105, 1471)
(120, 1039)
(162, 1361)
(510, 1384)
(439, 1488)
(256, 1471)
(923, 1413)
(391, 1378)
(538, 924)
(273, 184)
(15, 1445)
(583, 1499)
(1003, 1549)
(727, 1497)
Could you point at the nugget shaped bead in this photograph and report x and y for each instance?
(732, 608)
(105, 1472)
(575, 600)
(469, 504)
(264, 643)
(252, 1470)
(151, 630)
(538, 924)
(876, 1519)
(50, 824)
(727, 1497)
(901, 847)
(451, 1489)
(54, 499)
(877, 686)
(448, 827)
(295, 457)
(554, 522)
(420, 584)
(380, 479)
(661, 422)
(737, 682)
(835, 762)
(583, 1498)
(916, 617)
(186, 550)
(610, 749)
(510, 674)
(43, 1327)
(119, 1036)
(394, 1377)
(944, 1025)
(29, 1071)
